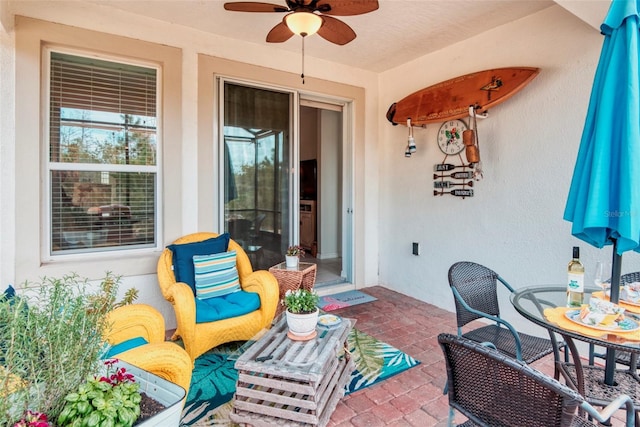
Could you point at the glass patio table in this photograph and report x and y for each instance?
(546, 306)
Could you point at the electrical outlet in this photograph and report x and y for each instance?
(416, 248)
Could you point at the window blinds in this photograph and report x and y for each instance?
(92, 84)
(104, 113)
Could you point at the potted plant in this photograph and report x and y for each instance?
(123, 396)
(293, 256)
(110, 399)
(302, 313)
(51, 341)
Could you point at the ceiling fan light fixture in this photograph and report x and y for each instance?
(303, 23)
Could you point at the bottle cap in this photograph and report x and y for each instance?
(576, 252)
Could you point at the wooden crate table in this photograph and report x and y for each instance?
(292, 383)
(291, 279)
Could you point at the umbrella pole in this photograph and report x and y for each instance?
(616, 267)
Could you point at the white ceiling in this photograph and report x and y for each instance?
(399, 31)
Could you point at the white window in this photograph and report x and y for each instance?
(102, 155)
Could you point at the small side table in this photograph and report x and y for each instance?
(302, 277)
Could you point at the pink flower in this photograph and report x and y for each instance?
(33, 419)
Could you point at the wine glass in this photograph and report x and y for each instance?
(601, 273)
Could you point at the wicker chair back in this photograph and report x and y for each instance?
(477, 285)
(492, 389)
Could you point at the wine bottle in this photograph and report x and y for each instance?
(575, 284)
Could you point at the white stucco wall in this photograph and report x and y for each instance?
(7, 149)
(528, 147)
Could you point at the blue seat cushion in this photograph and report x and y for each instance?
(183, 256)
(224, 307)
(124, 346)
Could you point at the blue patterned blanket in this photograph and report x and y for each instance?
(214, 378)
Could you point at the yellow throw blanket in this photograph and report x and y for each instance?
(558, 317)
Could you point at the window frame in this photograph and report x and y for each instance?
(47, 254)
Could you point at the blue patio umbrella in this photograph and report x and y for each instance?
(604, 197)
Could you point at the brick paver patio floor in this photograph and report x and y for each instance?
(413, 397)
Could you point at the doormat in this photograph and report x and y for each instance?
(344, 299)
(210, 399)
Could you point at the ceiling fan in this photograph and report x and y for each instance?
(305, 17)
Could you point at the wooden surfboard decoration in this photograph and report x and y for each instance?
(452, 98)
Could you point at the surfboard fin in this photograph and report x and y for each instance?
(392, 112)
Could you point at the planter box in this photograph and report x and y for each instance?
(169, 394)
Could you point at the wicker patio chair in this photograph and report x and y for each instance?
(137, 335)
(474, 288)
(595, 391)
(493, 389)
(200, 336)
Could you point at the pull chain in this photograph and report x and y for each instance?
(302, 75)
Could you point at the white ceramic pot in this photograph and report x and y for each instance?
(292, 261)
(302, 325)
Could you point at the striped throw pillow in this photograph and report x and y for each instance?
(216, 274)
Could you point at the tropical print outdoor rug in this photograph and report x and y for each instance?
(213, 382)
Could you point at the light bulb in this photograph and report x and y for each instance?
(303, 23)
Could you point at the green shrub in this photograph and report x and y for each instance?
(50, 342)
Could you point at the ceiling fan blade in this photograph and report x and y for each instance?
(280, 33)
(250, 6)
(336, 31)
(346, 7)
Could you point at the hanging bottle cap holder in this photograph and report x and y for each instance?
(411, 142)
(470, 140)
(472, 143)
(462, 187)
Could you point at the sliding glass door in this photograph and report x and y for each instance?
(256, 153)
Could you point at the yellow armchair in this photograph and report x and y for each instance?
(165, 359)
(200, 337)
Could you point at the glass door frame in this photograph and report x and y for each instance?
(294, 155)
(321, 101)
(348, 164)
(348, 193)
